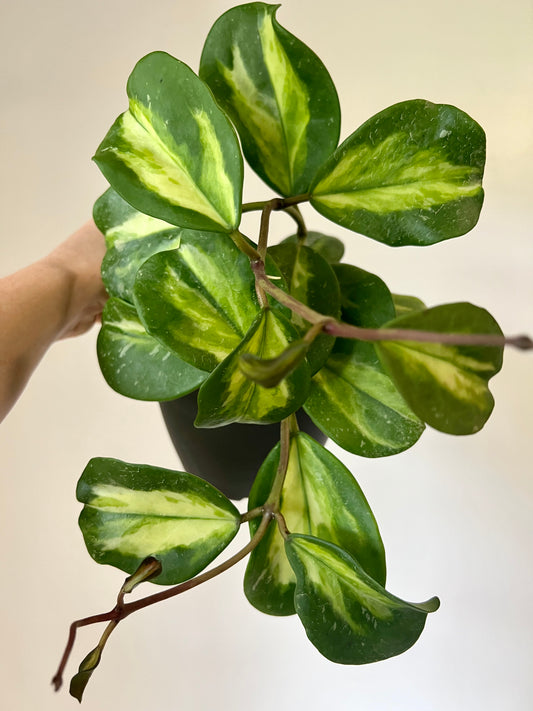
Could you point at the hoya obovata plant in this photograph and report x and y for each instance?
(262, 331)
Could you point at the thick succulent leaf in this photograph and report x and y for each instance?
(330, 248)
(348, 616)
(411, 175)
(311, 280)
(229, 396)
(352, 399)
(357, 405)
(446, 386)
(199, 300)
(277, 92)
(174, 154)
(119, 222)
(135, 364)
(133, 511)
(320, 497)
(404, 304)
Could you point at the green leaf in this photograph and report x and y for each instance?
(352, 399)
(174, 154)
(80, 680)
(270, 372)
(199, 300)
(320, 497)
(347, 615)
(411, 175)
(119, 222)
(404, 304)
(311, 280)
(133, 511)
(229, 396)
(330, 248)
(446, 386)
(135, 364)
(276, 91)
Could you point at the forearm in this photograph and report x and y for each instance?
(56, 296)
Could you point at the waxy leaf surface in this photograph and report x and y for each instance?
(276, 91)
(348, 616)
(229, 396)
(199, 300)
(133, 511)
(405, 304)
(319, 497)
(174, 154)
(446, 386)
(330, 248)
(411, 175)
(311, 280)
(352, 399)
(135, 364)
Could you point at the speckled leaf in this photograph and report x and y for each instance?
(131, 237)
(348, 616)
(446, 386)
(199, 300)
(330, 248)
(229, 396)
(411, 175)
(174, 154)
(133, 511)
(352, 399)
(311, 280)
(277, 92)
(135, 364)
(320, 497)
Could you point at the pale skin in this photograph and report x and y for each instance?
(59, 296)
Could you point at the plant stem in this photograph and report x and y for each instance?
(242, 243)
(294, 212)
(344, 330)
(285, 446)
(121, 611)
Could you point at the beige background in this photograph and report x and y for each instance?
(455, 513)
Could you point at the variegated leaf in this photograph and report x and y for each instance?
(229, 396)
(276, 91)
(174, 154)
(132, 511)
(352, 399)
(411, 175)
(199, 300)
(135, 364)
(320, 497)
(119, 222)
(348, 616)
(311, 280)
(330, 248)
(446, 386)
(404, 304)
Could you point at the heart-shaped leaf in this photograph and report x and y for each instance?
(319, 497)
(133, 511)
(174, 154)
(348, 616)
(229, 396)
(135, 364)
(446, 386)
(411, 175)
(199, 300)
(311, 280)
(277, 92)
(352, 399)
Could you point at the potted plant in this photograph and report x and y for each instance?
(259, 332)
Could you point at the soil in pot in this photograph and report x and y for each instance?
(227, 457)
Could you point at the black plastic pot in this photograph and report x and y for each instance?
(227, 457)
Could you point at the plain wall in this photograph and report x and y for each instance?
(455, 513)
